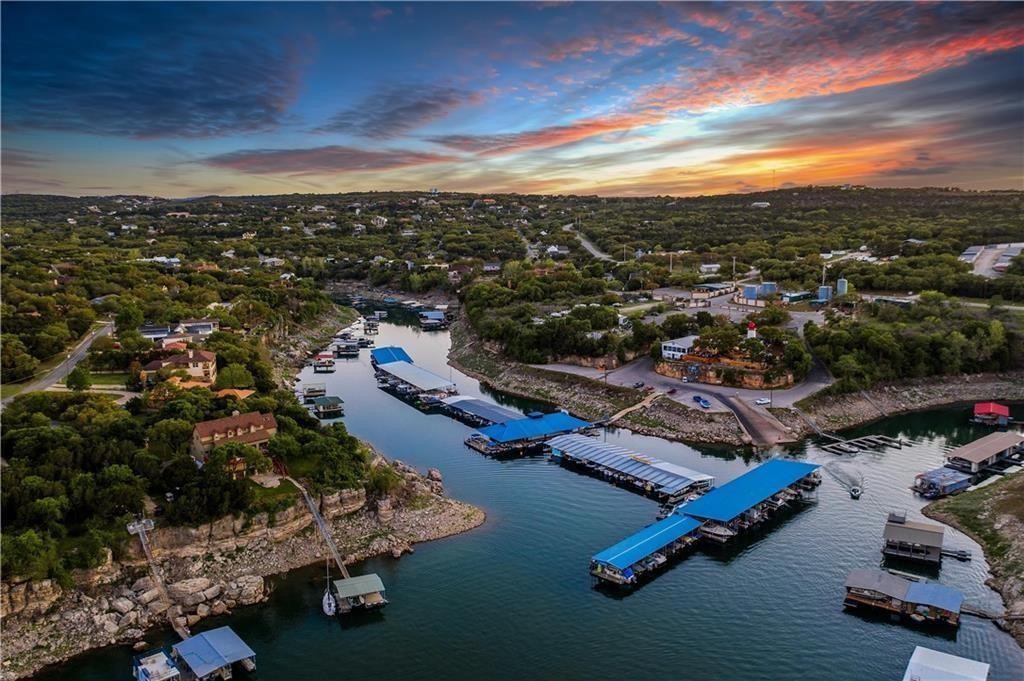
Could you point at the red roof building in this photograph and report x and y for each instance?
(991, 409)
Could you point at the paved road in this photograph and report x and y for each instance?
(723, 305)
(65, 367)
(588, 244)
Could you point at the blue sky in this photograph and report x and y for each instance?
(614, 98)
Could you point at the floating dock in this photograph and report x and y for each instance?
(984, 453)
(941, 482)
(921, 602)
(931, 665)
(646, 551)
(313, 390)
(717, 516)
(476, 412)
(213, 653)
(664, 481)
(753, 497)
(522, 434)
(414, 380)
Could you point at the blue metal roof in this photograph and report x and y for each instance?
(390, 353)
(207, 652)
(432, 314)
(935, 595)
(736, 496)
(530, 427)
(485, 410)
(647, 541)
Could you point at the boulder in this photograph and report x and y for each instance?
(179, 591)
(213, 592)
(122, 605)
(157, 607)
(192, 620)
(142, 584)
(203, 610)
(384, 510)
(250, 589)
(128, 619)
(218, 608)
(149, 596)
(434, 474)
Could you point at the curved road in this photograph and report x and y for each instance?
(588, 244)
(64, 368)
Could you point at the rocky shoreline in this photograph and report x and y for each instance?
(994, 517)
(834, 413)
(586, 397)
(212, 569)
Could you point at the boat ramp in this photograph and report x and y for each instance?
(520, 435)
(661, 480)
(717, 517)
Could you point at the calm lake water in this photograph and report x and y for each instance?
(513, 598)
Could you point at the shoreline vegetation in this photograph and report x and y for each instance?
(227, 560)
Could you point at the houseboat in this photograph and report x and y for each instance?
(941, 482)
(919, 601)
(991, 414)
(346, 349)
(313, 391)
(328, 407)
(911, 540)
(323, 364)
(213, 654)
(985, 453)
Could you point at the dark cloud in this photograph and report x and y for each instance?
(913, 171)
(397, 110)
(17, 158)
(326, 160)
(147, 73)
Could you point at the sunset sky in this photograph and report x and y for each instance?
(619, 99)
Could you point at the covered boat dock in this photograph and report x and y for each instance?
(476, 412)
(752, 497)
(414, 380)
(646, 550)
(524, 433)
(665, 481)
(211, 654)
(981, 454)
(389, 353)
(364, 592)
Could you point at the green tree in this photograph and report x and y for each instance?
(234, 376)
(79, 379)
(169, 438)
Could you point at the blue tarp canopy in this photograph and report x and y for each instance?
(207, 652)
(532, 427)
(436, 315)
(935, 595)
(667, 477)
(945, 477)
(485, 410)
(736, 496)
(647, 541)
(390, 353)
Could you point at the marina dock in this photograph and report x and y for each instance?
(365, 592)
(413, 383)
(388, 354)
(912, 540)
(717, 516)
(661, 480)
(328, 407)
(985, 454)
(312, 391)
(522, 434)
(476, 412)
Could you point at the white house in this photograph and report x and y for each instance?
(760, 204)
(677, 347)
(710, 268)
(379, 221)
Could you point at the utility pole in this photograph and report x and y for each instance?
(734, 271)
(670, 262)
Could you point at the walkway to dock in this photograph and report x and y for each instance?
(642, 404)
(139, 527)
(321, 524)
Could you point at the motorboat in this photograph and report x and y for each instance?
(855, 492)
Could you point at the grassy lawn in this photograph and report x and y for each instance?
(109, 379)
(271, 494)
(977, 511)
(12, 389)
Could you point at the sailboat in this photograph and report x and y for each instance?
(330, 606)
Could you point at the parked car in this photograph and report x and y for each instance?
(762, 401)
(638, 385)
(671, 391)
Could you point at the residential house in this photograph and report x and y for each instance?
(154, 332)
(253, 429)
(199, 364)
